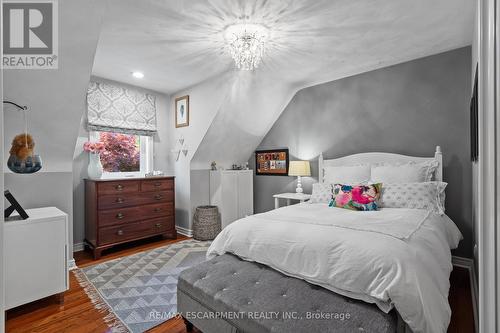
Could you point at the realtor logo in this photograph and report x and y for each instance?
(30, 34)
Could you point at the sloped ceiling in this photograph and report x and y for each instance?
(179, 44)
(56, 97)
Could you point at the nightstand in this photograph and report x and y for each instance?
(301, 197)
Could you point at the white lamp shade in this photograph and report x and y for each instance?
(299, 168)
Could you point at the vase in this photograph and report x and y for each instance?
(94, 169)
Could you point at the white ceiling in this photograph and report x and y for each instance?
(178, 43)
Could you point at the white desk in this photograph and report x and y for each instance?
(301, 197)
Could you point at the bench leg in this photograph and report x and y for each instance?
(189, 325)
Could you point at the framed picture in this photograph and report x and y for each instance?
(271, 162)
(182, 111)
(474, 126)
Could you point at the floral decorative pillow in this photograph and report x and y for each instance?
(356, 197)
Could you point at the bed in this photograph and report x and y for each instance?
(396, 259)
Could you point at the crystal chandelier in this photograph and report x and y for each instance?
(246, 44)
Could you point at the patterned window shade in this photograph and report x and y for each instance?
(117, 109)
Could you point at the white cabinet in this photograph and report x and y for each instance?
(232, 192)
(35, 256)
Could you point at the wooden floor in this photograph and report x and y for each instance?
(78, 315)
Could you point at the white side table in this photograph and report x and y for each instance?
(301, 197)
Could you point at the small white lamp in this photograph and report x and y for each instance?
(299, 169)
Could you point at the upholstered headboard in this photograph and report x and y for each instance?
(373, 158)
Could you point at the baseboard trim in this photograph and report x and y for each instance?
(78, 247)
(469, 265)
(184, 231)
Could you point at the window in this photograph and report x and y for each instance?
(126, 155)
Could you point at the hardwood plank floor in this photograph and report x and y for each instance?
(78, 315)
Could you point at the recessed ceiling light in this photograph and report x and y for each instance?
(138, 75)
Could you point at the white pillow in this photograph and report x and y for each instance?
(321, 193)
(422, 195)
(356, 174)
(403, 173)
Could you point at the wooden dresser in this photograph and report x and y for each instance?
(119, 211)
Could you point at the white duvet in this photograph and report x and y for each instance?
(392, 257)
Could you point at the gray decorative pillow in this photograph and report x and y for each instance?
(321, 193)
(425, 195)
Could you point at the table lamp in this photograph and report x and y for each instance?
(299, 169)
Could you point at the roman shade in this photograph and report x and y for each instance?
(114, 108)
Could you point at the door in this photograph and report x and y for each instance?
(229, 193)
(2, 307)
(245, 193)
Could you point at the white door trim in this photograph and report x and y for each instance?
(488, 177)
(2, 279)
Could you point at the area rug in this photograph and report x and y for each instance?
(139, 291)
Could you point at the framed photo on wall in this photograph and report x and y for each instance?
(474, 122)
(182, 111)
(271, 162)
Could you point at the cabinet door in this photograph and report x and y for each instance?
(245, 193)
(229, 210)
(35, 261)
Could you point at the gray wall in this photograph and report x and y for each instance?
(408, 109)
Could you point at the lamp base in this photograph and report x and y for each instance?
(299, 185)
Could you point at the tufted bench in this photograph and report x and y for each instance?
(228, 294)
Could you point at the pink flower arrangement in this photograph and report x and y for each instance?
(94, 147)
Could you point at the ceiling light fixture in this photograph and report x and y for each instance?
(246, 43)
(138, 75)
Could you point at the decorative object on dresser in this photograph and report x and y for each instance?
(232, 192)
(94, 149)
(206, 223)
(119, 211)
(301, 197)
(299, 169)
(271, 162)
(36, 256)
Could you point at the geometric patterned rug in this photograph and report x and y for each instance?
(139, 291)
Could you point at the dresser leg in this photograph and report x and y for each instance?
(170, 235)
(97, 254)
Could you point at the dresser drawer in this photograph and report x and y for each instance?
(131, 214)
(117, 187)
(120, 233)
(162, 224)
(118, 200)
(157, 185)
(133, 199)
(160, 196)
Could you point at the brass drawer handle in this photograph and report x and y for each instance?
(120, 216)
(119, 232)
(119, 200)
(157, 184)
(158, 197)
(157, 209)
(119, 187)
(158, 225)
